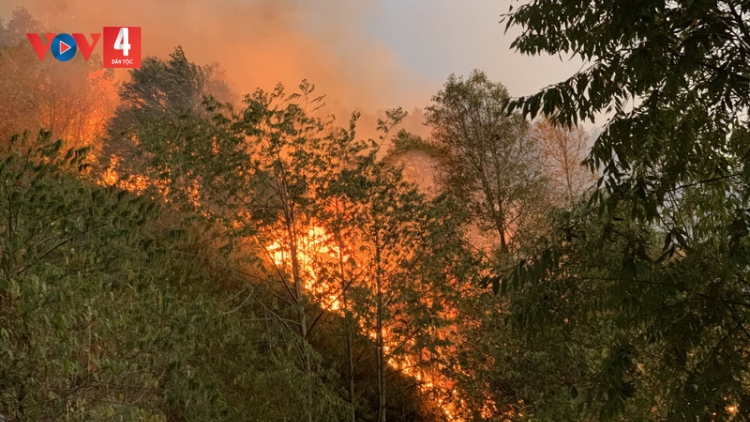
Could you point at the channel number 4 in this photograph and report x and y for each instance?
(121, 43)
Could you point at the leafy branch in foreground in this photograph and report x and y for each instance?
(662, 251)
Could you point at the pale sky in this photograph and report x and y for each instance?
(440, 37)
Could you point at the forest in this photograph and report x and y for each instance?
(172, 250)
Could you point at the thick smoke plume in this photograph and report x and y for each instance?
(258, 43)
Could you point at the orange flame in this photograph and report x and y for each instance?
(316, 243)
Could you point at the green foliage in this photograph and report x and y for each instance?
(266, 176)
(113, 310)
(405, 142)
(161, 89)
(159, 86)
(674, 77)
(489, 160)
(664, 256)
(669, 322)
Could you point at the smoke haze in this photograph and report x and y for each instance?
(259, 43)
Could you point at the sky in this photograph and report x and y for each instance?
(441, 37)
(363, 54)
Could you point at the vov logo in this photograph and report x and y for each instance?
(122, 46)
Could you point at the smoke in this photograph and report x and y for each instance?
(259, 43)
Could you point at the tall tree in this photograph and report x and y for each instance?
(161, 88)
(673, 196)
(408, 263)
(340, 229)
(490, 160)
(564, 151)
(253, 175)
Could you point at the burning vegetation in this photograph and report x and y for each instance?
(173, 251)
(276, 233)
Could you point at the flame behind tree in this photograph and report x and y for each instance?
(73, 101)
(405, 266)
(251, 174)
(159, 90)
(271, 174)
(488, 159)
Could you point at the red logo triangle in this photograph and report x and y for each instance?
(64, 47)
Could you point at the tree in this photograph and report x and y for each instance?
(340, 230)
(116, 306)
(74, 101)
(20, 24)
(673, 197)
(161, 88)
(681, 69)
(564, 151)
(490, 161)
(252, 177)
(410, 264)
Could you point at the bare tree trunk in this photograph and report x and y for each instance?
(350, 357)
(500, 223)
(348, 328)
(299, 293)
(380, 349)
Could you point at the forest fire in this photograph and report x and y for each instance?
(315, 245)
(321, 262)
(311, 246)
(243, 254)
